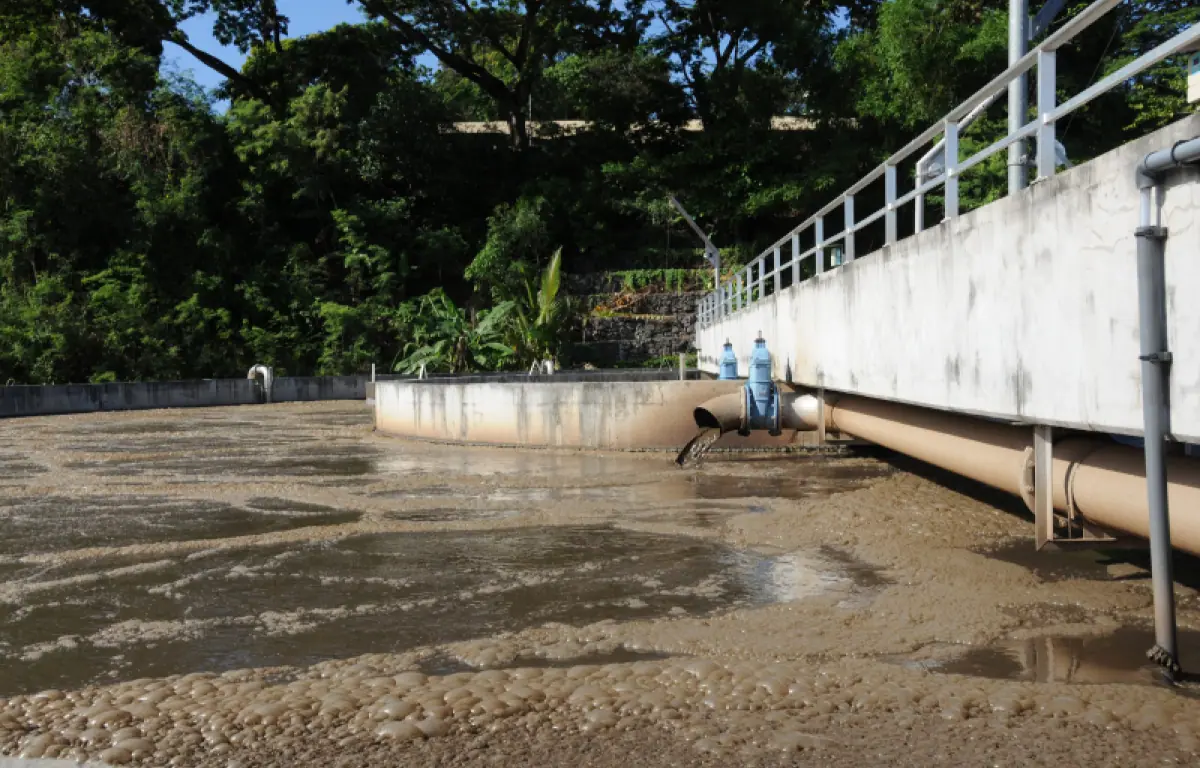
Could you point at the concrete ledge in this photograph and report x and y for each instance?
(295, 389)
(626, 415)
(125, 396)
(136, 396)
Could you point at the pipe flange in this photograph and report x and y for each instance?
(777, 422)
(1028, 478)
(744, 421)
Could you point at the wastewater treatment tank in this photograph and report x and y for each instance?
(615, 410)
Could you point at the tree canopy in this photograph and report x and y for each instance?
(320, 211)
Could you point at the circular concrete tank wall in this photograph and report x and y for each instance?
(623, 415)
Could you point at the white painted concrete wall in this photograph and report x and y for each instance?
(609, 415)
(1025, 309)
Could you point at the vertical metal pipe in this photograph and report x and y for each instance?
(848, 240)
(682, 366)
(1155, 357)
(1018, 101)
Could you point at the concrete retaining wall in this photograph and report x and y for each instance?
(1023, 310)
(607, 415)
(132, 396)
(126, 396)
(290, 389)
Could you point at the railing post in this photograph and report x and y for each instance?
(738, 294)
(1046, 80)
(796, 259)
(819, 254)
(778, 269)
(749, 284)
(889, 201)
(951, 163)
(848, 234)
(919, 202)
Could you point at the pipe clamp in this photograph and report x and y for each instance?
(1158, 358)
(1151, 233)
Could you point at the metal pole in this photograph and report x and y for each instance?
(1047, 77)
(889, 201)
(682, 366)
(848, 240)
(950, 188)
(820, 243)
(796, 259)
(1152, 320)
(1018, 45)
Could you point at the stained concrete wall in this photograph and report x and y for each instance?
(1025, 309)
(288, 389)
(131, 396)
(125, 396)
(612, 415)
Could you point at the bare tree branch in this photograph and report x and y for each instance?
(220, 67)
(471, 70)
(489, 34)
(743, 59)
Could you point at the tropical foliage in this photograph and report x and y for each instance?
(320, 211)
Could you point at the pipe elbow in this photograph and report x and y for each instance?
(725, 412)
(268, 377)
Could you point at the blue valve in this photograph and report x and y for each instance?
(729, 370)
(762, 396)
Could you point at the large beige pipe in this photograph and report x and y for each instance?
(1105, 482)
(1108, 484)
(991, 453)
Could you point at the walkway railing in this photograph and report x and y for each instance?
(764, 276)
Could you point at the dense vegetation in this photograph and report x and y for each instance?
(320, 212)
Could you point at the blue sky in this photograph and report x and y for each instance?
(305, 17)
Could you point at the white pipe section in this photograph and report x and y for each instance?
(268, 379)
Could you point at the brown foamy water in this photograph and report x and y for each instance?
(279, 586)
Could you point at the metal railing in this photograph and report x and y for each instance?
(764, 276)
